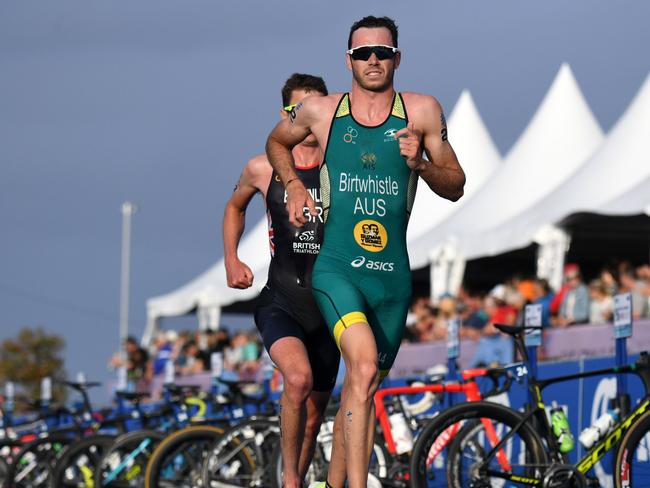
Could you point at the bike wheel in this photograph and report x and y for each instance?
(76, 465)
(32, 465)
(255, 439)
(124, 463)
(632, 467)
(453, 448)
(178, 459)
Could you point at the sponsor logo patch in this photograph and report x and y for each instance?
(389, 135)
(350, 135)
(371, 235)
(307, 235)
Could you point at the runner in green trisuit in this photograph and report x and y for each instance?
(374, 140)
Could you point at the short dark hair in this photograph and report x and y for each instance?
(299, 81)
(374, 22)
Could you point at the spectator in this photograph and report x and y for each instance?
(601, 307)
(243, 354)
(524, 286)
(575, 303)
(556, 302)
(189, 360)
(543, 296)
(474, 317)
(164, 346)
(473, 327)
(643, 273)
(219, 340)
(494, 347)
(497, 308)
(424, 328)
(629, 284)
(136, 360)
(609, 276)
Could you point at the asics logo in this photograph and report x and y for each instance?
(360, 261)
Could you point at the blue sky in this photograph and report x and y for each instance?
(161, 102)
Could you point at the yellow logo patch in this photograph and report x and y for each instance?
(371, 235)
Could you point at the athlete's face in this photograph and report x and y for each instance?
(373, 74)
(296, 97)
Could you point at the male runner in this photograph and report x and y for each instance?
(373, 140)
(288, 319)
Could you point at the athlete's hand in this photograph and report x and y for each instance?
(238, 275)
(410, 140)
(299, 199)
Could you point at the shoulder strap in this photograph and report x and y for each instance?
(344, 107)
(398, 107)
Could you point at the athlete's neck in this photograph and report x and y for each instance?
(306, 155)
(371, 107)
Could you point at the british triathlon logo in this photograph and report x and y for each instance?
(389, 135)
(307, 235)
(350, 135)
(370, 264)
(371, 235)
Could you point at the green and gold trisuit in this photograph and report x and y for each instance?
(362, 273)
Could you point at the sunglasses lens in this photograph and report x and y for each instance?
(361, 53)
(364, 53)
(384, 53)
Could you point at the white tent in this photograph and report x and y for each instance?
(634, 201)
(479, 155)
(630, 158)
(560, 137)
(615, 180)
(208, 292)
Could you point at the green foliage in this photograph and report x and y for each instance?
(29, 358)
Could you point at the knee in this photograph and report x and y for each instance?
(297, 385)
(364, 378)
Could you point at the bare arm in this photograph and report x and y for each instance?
(238, 274)
(284, 137)
(441, 172)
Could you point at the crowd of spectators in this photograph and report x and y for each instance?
(190, 353)
(573, 304)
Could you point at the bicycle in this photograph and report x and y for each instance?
(180, 456)
(496, 444)
(390, 464)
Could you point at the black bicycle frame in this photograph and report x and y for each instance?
(538, 410)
